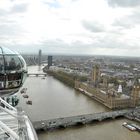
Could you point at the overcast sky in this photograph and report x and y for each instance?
(105, 27)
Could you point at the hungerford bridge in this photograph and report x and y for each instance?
(37, 74)
(81, 119)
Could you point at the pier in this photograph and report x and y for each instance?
(81, 119)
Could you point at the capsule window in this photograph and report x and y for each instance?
(13, 80)
(2, 80)
(1, 64)
(12, 63)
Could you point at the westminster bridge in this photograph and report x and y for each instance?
(81, 119)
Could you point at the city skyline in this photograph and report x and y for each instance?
(85, 27)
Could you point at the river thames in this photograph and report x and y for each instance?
(52, 99)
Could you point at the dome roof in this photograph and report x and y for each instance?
(12, 71)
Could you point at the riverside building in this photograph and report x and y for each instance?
(107, 94)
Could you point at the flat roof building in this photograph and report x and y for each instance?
(49, 61)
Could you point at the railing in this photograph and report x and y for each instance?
(20, 129)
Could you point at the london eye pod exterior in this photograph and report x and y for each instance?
(13, 72)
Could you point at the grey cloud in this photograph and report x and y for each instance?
(58, 46)
(9, 30)
(108, 41)
(19, 8)
(93, 26)
(54, 43)
(135, 17)
(53, 3)
(112, 43)
(9, 26)
(124, 3)
(123, 23)
(3, 13)
(129, 21)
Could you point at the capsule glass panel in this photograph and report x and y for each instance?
(12, 71)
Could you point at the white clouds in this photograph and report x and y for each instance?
(5, 4)
(69, 25)
(124, 3)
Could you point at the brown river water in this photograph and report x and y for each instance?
(52, 99)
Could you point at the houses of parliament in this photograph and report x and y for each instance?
(99, 88)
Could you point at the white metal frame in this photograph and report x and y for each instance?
(20, 118)
(11, 111)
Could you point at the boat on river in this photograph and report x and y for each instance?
(25, 96)
(129, 126)
(23, 90)
(29, 102)
(136, 126)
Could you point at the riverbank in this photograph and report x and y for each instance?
(66, 78)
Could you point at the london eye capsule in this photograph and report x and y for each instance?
(13, 72)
